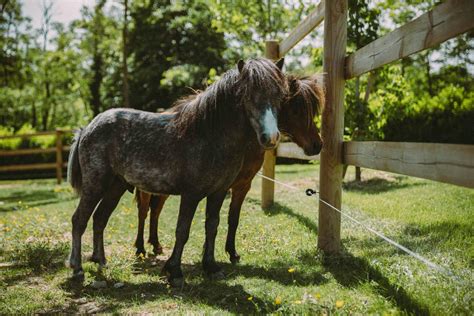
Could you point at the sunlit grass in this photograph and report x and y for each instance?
(281, 269)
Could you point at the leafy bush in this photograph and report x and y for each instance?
(395, 113)
(445, 118)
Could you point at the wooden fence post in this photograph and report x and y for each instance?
(335, 37)
(272, 51)
(59, 155)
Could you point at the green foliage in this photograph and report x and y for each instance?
(445, 118)
(172, 47)
(62, 76)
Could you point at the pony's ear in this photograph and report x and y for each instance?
(280, 63)
(240, 65)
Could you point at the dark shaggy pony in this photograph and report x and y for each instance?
(195, 151)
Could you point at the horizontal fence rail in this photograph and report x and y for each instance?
(445, 21)
(449, 163)
(291, 150)
(303, 28)
(440, 162)
(58, 149)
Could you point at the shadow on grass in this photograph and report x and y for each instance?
(278, 208)
(350, 271)
(197, 290)
(426, 237)
(31, 199)
(377, 185)
(276, 272)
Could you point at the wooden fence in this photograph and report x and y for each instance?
(450, 163)
(59, 149)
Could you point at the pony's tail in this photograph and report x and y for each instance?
(74, 174)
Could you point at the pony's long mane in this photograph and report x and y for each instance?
(206, 110)
(311, 90)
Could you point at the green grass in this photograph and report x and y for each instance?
(369, 277)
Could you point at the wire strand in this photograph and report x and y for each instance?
(427, 262)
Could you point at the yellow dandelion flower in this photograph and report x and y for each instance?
(277, 300)
(317, 296)
(291, 270)
(298, 302)
(339, 303)
(250, 298)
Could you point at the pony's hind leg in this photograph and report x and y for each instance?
(143, 202)
(156, 205)
(213, 207)
(172, 267)
(238, 196)
(80, 218)
(101, 216)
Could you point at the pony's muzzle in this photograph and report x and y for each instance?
(314, 149)
(270, 141)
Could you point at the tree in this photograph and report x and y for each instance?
(126, 102)
(172, 47)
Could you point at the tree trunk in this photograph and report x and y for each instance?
(33, 115)
(368, 88)
(358, 174)
(428, 75)
(126, 102)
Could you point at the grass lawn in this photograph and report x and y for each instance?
(281, 269)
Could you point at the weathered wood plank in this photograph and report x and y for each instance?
(302, 29)
(291, 150)
(449, 163)
(445, 21)
(332, 127)
(37, 166)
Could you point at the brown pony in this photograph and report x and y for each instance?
(296, 120)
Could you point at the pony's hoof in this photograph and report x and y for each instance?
(96, 259)
(176, 282)
(216, 276)
(78, 275)
(234, 259)
(158, 251)
(140, 253)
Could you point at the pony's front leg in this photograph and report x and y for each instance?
(213, 207)
(172, 267)
(238, 196)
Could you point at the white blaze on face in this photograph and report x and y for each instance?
(269, 124)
